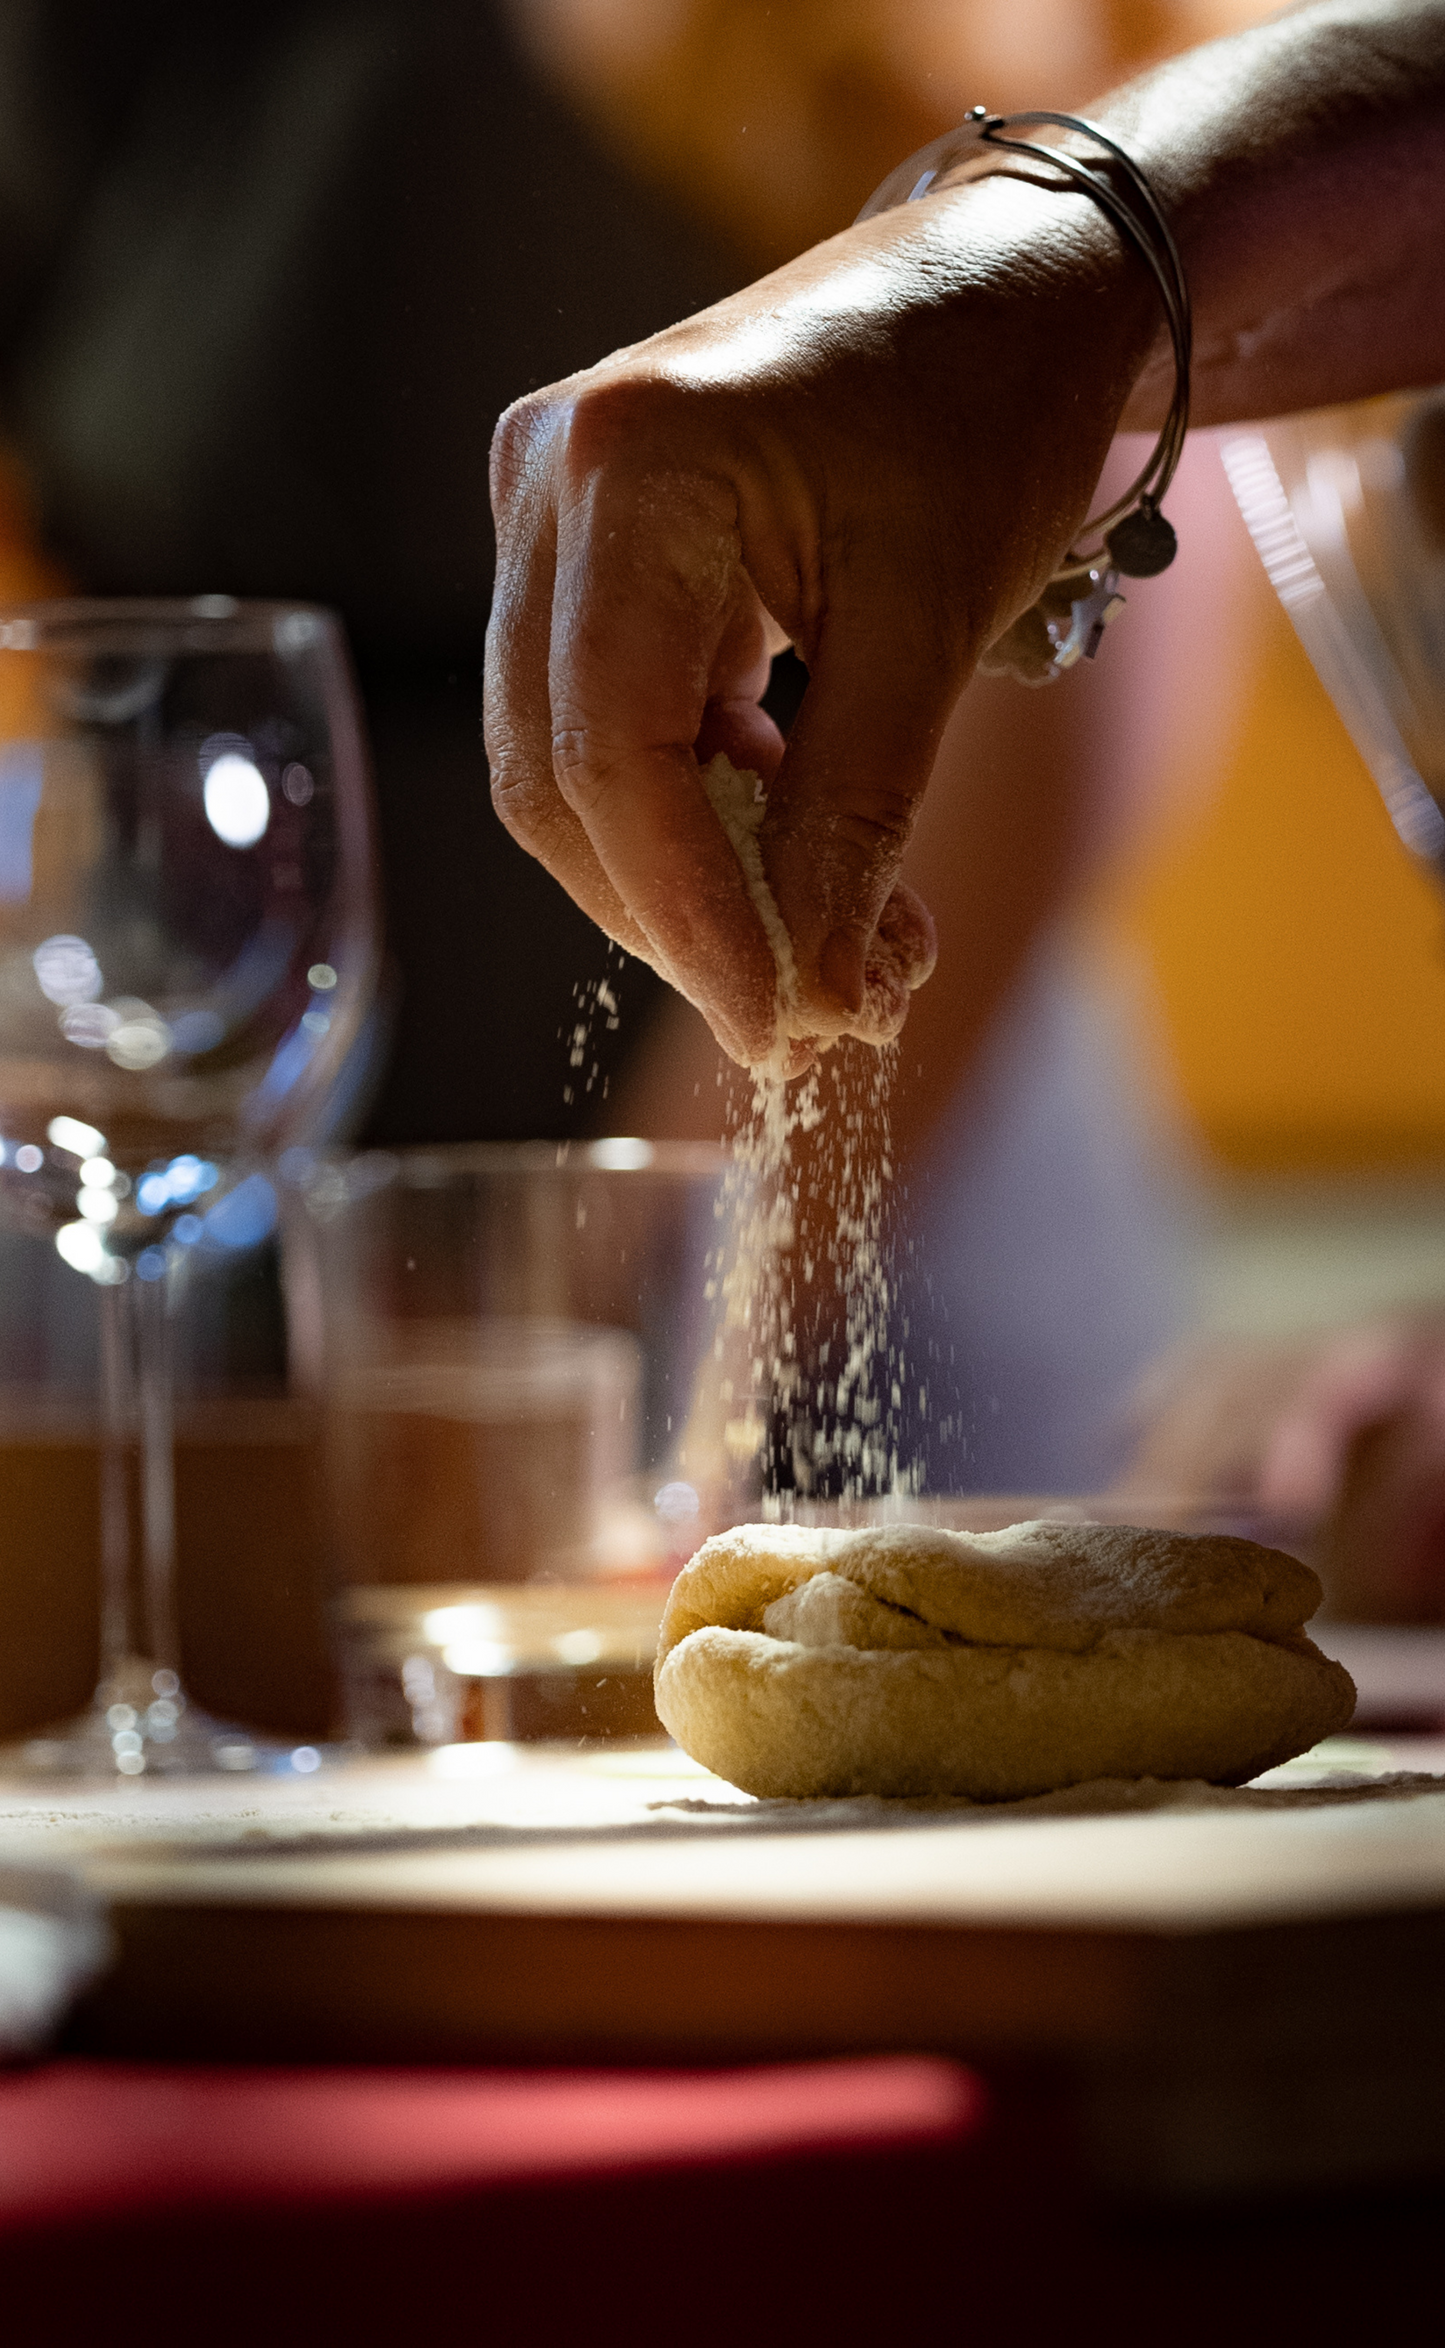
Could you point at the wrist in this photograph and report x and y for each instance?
(1051, 249)
(1080, 598)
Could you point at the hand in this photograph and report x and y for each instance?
(1340, 1435)
(879, 454)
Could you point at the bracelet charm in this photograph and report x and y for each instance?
(1065, 626)
(1143, 544)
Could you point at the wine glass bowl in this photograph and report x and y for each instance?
(188, 953)
(186, 942)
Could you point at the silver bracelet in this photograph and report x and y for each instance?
(1134, 540)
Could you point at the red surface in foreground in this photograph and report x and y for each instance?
(81, 2141)
(878, 2203)
(140, 2202)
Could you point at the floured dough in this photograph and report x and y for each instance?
(907, 1660)
(898, 959)
(739, 802)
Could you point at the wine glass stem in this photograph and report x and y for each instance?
(138, 1631)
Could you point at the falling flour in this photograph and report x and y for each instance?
(802, 1394)
(808, 1354)
(808, 1358)
(596, 1008)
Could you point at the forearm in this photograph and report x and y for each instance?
(1302, 164)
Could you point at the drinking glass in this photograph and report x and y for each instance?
(1346, 507)
(188, 950)
(507, 1341)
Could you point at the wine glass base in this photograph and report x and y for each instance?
(199, 1746)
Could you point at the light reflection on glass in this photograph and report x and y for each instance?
(579, 1646)
(237, 802)
(90, 1025)
(140, 1038)
(442, 1623)
(477, 1658)
(81, 1246)
(67, 970)
(68, 1133)
(625, 1155)
(185, 1178)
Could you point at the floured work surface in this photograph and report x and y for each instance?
(1250, 1986)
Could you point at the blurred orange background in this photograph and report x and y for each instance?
(1297, 950)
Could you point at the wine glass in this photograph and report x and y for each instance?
(188, 950)
(1346, 507)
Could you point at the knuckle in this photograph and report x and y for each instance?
(886, 814)
(517, 434)
(538, 820)
(608, 415)
(586, 775)
(514, 799)
(569, 749)
(876, 823)
(521, 784)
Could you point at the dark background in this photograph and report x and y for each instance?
(268, 274)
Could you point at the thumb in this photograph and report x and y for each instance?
(841, 808)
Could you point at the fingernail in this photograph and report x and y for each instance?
(840, 966)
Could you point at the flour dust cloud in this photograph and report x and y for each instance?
(807, 1349)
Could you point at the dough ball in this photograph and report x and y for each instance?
(901, 953)
(910, 1661)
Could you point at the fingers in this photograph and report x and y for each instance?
(518, 721)
(745, 735)
(1363, 1376)
(657, 642)
(732, 721)
(882, 682)
(627, 644)
(899, 958)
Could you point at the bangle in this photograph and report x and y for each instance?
(1134, 540)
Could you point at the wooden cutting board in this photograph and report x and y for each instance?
(1249, 1989)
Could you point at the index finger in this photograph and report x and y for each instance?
(518, 722)
(653, 618)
